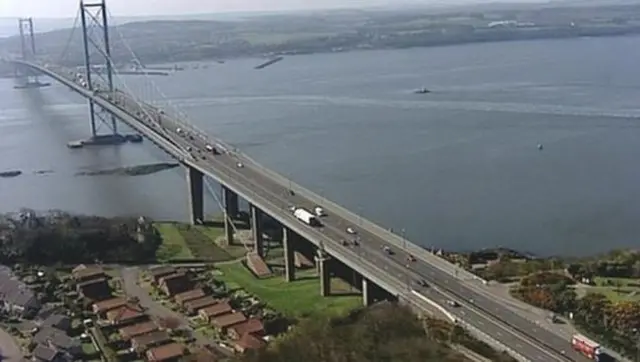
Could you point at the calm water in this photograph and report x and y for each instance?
(458, 168)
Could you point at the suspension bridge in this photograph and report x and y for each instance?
(386, 265)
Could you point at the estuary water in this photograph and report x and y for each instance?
(458, 168)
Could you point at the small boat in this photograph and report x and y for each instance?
(422, 91)
(540, 147)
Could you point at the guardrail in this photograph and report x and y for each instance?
(491, 341)
(473, 330)
(437, 306)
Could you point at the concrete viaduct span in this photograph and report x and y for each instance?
(382, 274)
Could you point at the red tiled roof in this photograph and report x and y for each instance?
(249, 341)
(165, 352)
(138, 329)
(189, 295)
(125, 313)
(250, 326)
(108, 304)
(217, 309)
(228, 320)
(200, 303)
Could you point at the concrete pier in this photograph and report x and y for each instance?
(322, 262)
(231, 209)
(196, 195)
(367, 292)
(289, 239)
(256, 228)
(230, 202)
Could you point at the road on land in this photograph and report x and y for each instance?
(9, 349)
(130, 279)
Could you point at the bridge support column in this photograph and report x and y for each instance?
(196, 195)
(289, 237)
(256, 227)
(367, 292)
(230, 204)
(322, 261)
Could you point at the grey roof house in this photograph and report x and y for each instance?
(45, 354)
(58, 321)
(54, 338)
(16, 297)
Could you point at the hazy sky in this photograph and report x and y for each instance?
(68, 8)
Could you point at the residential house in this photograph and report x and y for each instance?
(102, 307)
(215, 310)
(251, 326)
(58, 321)
(161, 271)
(16, 296)
(195, 305)
(190, 295)
(43, 353)
(83, 273)
(167, 353)
(154, 339)
(225, 321)
(247, 342)
(174, 284)
(95, 289)
(54, 338)
(137, 330)
(126, 315)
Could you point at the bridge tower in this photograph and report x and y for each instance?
(94, 16)
(26, 77)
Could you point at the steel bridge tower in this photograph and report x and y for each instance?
(26, 77)
(93, 15)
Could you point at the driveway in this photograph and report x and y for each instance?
(9, 348)
(130, 277)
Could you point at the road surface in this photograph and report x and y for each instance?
(130, 278)
(9, 349)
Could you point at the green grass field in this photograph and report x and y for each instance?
(622, 289)
(300, 298)
(173, 244)
(186, 242)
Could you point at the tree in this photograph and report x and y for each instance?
(169, 322)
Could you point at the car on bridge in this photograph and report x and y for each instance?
(351, 231)
(422, 283)
(239, 165)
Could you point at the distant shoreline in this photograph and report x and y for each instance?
(633, 31)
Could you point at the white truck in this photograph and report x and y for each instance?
(306, 217)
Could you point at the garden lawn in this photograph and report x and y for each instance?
(623, 289)
(173, 244)
(300, 298)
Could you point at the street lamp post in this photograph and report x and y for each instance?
(404, 240)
